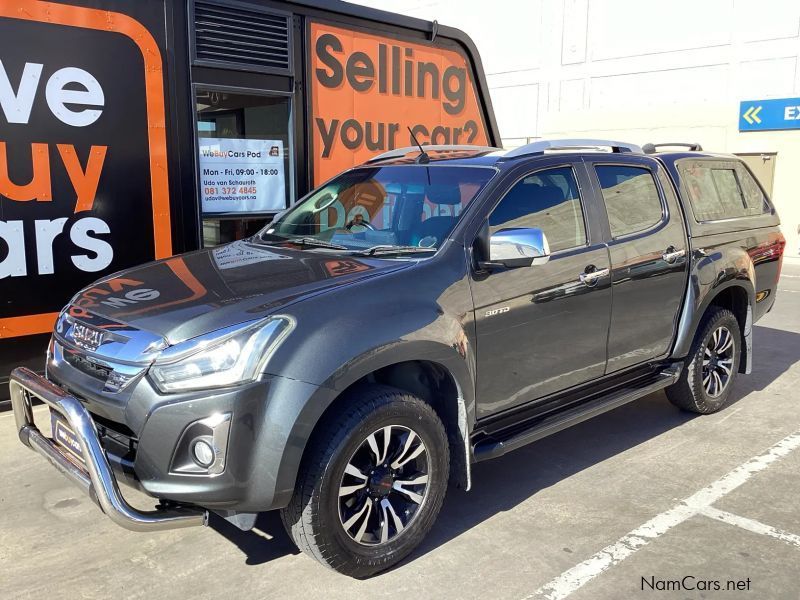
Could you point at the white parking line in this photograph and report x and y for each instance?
(581, 574)
(751, 525)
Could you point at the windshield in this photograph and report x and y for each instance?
(412, 207)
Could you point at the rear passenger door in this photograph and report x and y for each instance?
(648, 247)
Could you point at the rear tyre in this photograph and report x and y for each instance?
(371, 483)
(711, 367)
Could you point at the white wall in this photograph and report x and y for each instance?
(637, 70)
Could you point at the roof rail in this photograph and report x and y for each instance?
(398, 152)
(540, 146)
(653, 148)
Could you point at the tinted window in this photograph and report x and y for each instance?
(702, 192)
(631, 198)
(727, 188)
(549, 201)
(754, 199)
(721, 190)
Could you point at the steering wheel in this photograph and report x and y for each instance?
(365, 224)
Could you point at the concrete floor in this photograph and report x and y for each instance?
(588, 513)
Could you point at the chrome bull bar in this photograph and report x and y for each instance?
(97, 480)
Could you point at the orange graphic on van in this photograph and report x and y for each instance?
(57, 197)
(367, 90)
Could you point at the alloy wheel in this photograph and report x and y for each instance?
(718, 361)
(384, 485)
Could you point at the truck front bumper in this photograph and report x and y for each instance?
(94, 476)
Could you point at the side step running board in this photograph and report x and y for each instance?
(494, 447)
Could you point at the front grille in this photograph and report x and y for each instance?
(249, 37)
(85, 365)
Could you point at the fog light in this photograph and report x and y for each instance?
(202, 447)
(203, 453)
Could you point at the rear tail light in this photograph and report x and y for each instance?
(780, 244)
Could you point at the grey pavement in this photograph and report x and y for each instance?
(538, 523)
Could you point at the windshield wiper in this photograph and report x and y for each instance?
(315, 243)
(389, 249)
(260, 241)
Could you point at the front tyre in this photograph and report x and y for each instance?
(371, 483)
(713, 362)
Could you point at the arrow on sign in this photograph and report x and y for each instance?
(751, 115)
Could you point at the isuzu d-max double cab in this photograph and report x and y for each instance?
(429, 309)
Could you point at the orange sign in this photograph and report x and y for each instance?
(367, 90)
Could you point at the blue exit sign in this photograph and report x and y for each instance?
(767, 115)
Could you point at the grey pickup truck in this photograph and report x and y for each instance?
(434, 307)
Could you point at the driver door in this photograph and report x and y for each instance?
(541, 329)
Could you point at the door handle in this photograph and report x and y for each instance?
(590, 278)
(671, 254)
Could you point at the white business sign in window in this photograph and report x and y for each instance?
(239, 254)
(242, 176)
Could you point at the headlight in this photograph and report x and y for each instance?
(222, 358)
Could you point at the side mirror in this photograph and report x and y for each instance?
(518, 247)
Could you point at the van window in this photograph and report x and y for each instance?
(721, 190)
(631, 198)
(547, 200)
